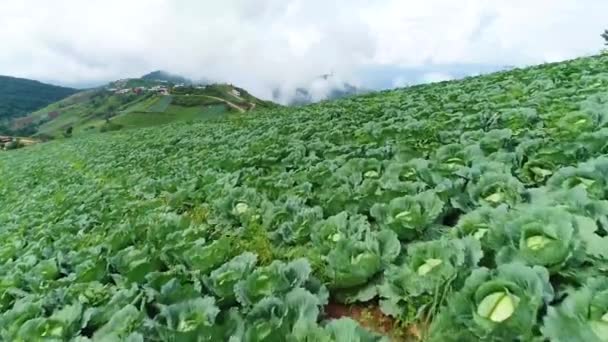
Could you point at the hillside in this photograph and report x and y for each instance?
(133, 103)
(19, 96)
(471, 210)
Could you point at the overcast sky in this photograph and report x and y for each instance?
(260, 44)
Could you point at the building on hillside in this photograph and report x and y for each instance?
(235, 92)
(160, 90)
(123, 91)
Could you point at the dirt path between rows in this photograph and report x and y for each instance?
(371, 317)
(232, 105)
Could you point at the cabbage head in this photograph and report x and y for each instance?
(495, 305)
(542, 236)
(430, 270)
(409, 216)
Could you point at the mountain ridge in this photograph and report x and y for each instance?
(20, 96)
(162, 75)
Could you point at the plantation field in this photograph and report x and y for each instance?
(473, 210)
(161, 104)
(142, 105)
(194, 100)
(171, 114)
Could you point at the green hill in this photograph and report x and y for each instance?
(19, 96)
(165, 76)
(133, 103)
(470, 210)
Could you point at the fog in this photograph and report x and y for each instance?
(269, 44)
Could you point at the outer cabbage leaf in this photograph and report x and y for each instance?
(123, 325)
(22, 311)
(205, 257)
(595, 142)
(582, 316)
(61, 325)
(104, 311)
(574, 200)
(221, 282)
(191, 320)
(575, 123)
(496, 140)
(347, 330)
(520, 119)
(274, 319)
(591, 175)
(275, 279)
(172, 290)
(134, 263)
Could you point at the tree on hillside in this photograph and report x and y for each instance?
(605, 36)
(68, 132)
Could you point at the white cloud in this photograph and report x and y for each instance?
(261, 44)
(400, 82)
(435, 77)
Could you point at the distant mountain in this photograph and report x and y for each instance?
(164, 76)
(19, 96)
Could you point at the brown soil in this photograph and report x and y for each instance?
(371, 317)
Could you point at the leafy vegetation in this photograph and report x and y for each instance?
(476, 208)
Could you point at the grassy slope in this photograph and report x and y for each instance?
(130, 188)
(86, 112)
(18, 96)
(171, 114)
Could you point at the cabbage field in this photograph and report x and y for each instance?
(473, 210)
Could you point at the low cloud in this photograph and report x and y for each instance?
(267, 44)
(432, 77)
